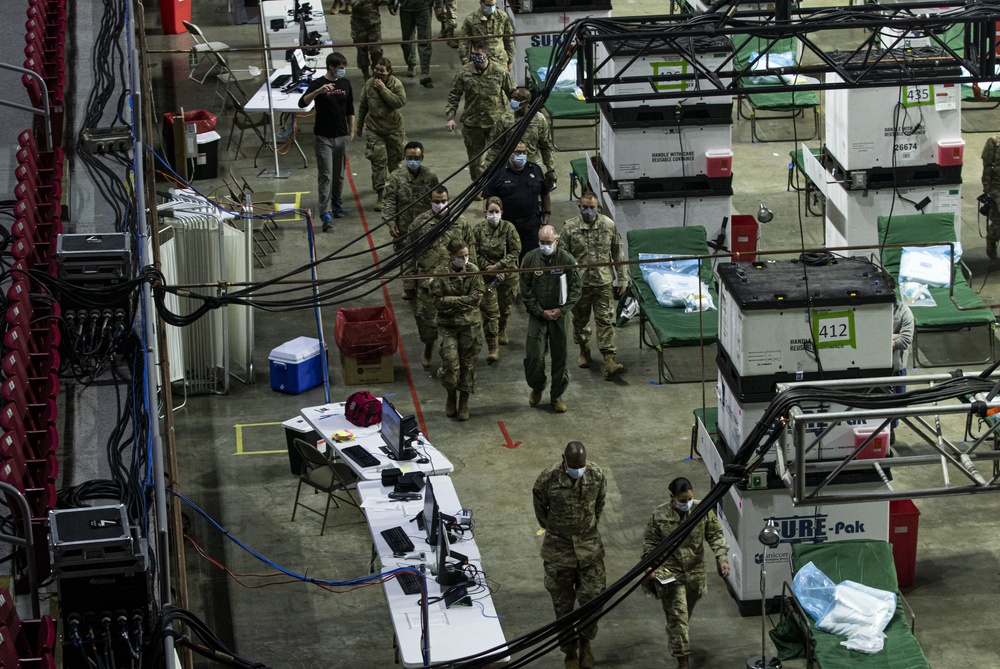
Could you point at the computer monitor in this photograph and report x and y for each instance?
(298, 64)
(394, 433)
(448, 573)
(428, 519)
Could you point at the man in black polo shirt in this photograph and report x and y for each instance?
(334, 129)
(521, 187)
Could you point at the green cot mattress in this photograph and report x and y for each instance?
(781, 101)
(581, 168)
(933, 228)
(864, 561)
(673, 327)
(561, 105)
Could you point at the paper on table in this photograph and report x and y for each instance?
(382, 504)
(331, 422)
(434, 618)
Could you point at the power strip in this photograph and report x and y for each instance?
(107, 140)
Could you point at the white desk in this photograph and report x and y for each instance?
(283, 103)
(328, 418)
(288, 37)
(454, 633)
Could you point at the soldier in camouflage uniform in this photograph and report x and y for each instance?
(542, 290)
(486, 87)
(498, 247)
(382, 97)
(431, 260)
(407, 193)
(991, 188)
(497, 30)
(366, 27)
(446, 12)
(537, 136)
(569, 500)
(686, 564)
(592, 237)
(415, 17)
(456, 298)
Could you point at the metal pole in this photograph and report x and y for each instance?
(45, 102)
(27, 542)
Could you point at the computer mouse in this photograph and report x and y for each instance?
(422, 461)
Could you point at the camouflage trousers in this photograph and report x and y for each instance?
(497, 304)
(476, 140)
(362, 32)
(409, 267)
(678, 602)
(426, 315)
(459, 354)
(600, 300)
(569, 585)
(385, 153)
(449, 19)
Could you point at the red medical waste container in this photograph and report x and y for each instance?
(172, 13)
(904, 517)
(743, 239)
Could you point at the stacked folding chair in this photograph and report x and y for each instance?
(45, 53)
(25, 643)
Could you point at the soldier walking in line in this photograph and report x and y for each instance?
(382, 98)
(366, 27)
(415, 17)
(496, 29)
(498, 248)
(406, 195)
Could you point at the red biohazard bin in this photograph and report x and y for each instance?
(904, 517)
(172, 15)
(743, 239)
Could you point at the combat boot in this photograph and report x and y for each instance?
(571, 662)
(378, 201)
(502, 335)
(425, 359)
(494, 348)
(335, 9)
(612, 368)
(584, 359)
(348, 8)
(449, 406)
(463, 405)
(586, 654)
(682, 662)
(558, 405)
(534, 398)
(409, 294)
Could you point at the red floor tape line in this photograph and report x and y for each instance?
(388, 302)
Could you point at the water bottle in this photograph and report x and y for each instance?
(493, 284)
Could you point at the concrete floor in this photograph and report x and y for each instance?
(636, 429)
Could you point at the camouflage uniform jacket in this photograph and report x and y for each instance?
(593, 243)
(403, 188)
(498, 30)
(568, 510)
(365, 12)
(991, 172)
(380, 108)
(689, 558)
(537, 136)
(431, 259)
(457, 296)
(486, 92)
(540, 288)
(498, 246)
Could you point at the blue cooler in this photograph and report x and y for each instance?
(296, 366)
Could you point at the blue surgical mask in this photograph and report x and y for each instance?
(520, 160)
(478, 60)
(588, 213)
(341, 73)
(684, 507)
(515, 104)
(547, 249)
(488, 9)
(413, 165)
(575, 473)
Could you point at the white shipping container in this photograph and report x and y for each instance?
(660, 153)
(666, 213)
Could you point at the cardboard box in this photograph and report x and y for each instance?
(365, 370)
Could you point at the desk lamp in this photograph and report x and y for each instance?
(769, 537)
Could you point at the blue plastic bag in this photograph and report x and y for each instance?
(814, 590)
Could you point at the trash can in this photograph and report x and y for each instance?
(904, 517)
(298, 428)
(206, 163)
(367, 339)
(172, 15)
(743, 239)
(204, 121)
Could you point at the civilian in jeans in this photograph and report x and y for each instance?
(334, 128)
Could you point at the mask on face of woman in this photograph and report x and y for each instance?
(493, 219)
(459, 262)
(520, 160)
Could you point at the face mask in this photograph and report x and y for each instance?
(515, 104)
(520, 161)
(493, 219)
(460, 263)
(413, 165)
(547, 249)
(588, 214)
(575, 473)
(382, 75)
(684, 506)
(341, 73)
(478, 60)
(438, 207)
(488, 9)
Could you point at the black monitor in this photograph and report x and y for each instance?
(298, 64)
(427, 520)
(395, 433)
(449, 561)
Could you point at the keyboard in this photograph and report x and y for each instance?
(397, 540)
(409, 582)
(281, 80)
(361, 456)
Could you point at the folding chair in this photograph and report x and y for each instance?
(228, 77)
(244, 122)
(322, 474)
(202, 45)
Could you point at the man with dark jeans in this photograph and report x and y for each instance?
(334, 129)
(415, 17)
